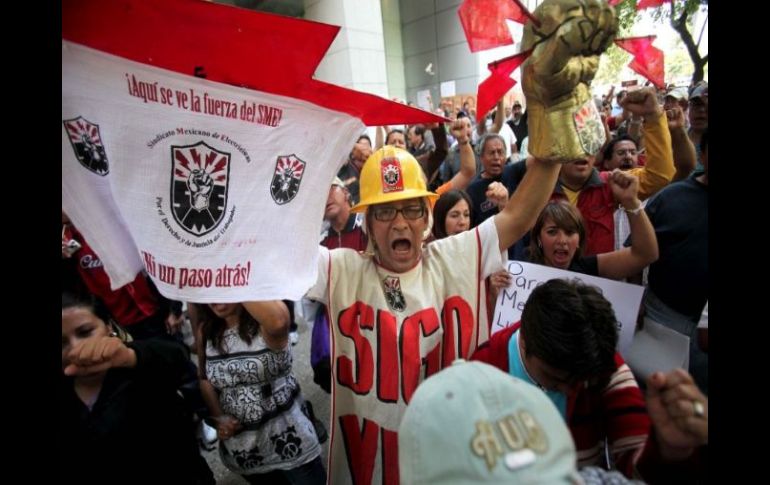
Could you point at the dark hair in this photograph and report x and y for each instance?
(364, 137)
(443, 205)
(419, 129)
(88, 302)
(611, 145)
(571, 327)
(704, 140)
(213, 327)
(566, 216)
(387, 138)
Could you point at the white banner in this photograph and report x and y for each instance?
(625, 298)
(217, 191)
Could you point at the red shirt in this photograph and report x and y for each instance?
(128, 304)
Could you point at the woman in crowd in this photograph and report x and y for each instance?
(121, 418)
(558, 237)
(252, 395)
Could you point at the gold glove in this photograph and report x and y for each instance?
(564, 124)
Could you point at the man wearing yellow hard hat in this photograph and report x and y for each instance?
(404, 310)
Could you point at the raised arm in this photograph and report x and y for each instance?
(460, 130)
(522, 209)
(379, 137)
(556, 80)
(273, 318)
(685, 158)
(499, 116)
(438, 154)
(644, 248)
(659, 169)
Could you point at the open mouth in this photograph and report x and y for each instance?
(626, 164)
(581, 163)
(561, 256)
(401, 246)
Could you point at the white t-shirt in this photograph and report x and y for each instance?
(510, 138)
(388, 331)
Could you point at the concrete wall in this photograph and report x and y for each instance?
(356, 58)
(432, 34)
(394, 49)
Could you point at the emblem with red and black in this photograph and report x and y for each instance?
(87, 144)
(393, 294)
(288, 175)
(589, 127)
(392, 180)
(199, 187)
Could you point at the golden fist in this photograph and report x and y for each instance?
(564, 124)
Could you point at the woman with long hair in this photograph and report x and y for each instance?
(558, 237)
(121, 419)
(252, 395)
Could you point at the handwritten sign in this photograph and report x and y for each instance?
(625, 298)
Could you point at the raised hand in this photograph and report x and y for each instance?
(361, 151)
(564, 124)
(460, 129)
(642, 102)
(675, 117)
(625, 188)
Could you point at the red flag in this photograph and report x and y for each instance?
(642, 4)
(648, 59)
(240, 47)
(499, 82)
(484, 22)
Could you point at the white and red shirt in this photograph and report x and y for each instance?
(390, 331)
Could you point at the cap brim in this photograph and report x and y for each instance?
(396, 196)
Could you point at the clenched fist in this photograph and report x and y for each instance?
(564, 124)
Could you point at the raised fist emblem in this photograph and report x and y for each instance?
(200, 184)
(90, 148)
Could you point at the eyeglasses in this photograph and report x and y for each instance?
(387, 214)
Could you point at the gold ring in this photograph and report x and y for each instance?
(698, 408)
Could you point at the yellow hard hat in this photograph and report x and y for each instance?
(391, 174)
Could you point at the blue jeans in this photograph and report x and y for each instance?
(311, 473)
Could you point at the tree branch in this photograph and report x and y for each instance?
(680, 26)
(702, 29)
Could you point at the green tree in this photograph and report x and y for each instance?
(612, 63)
(679, 15)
